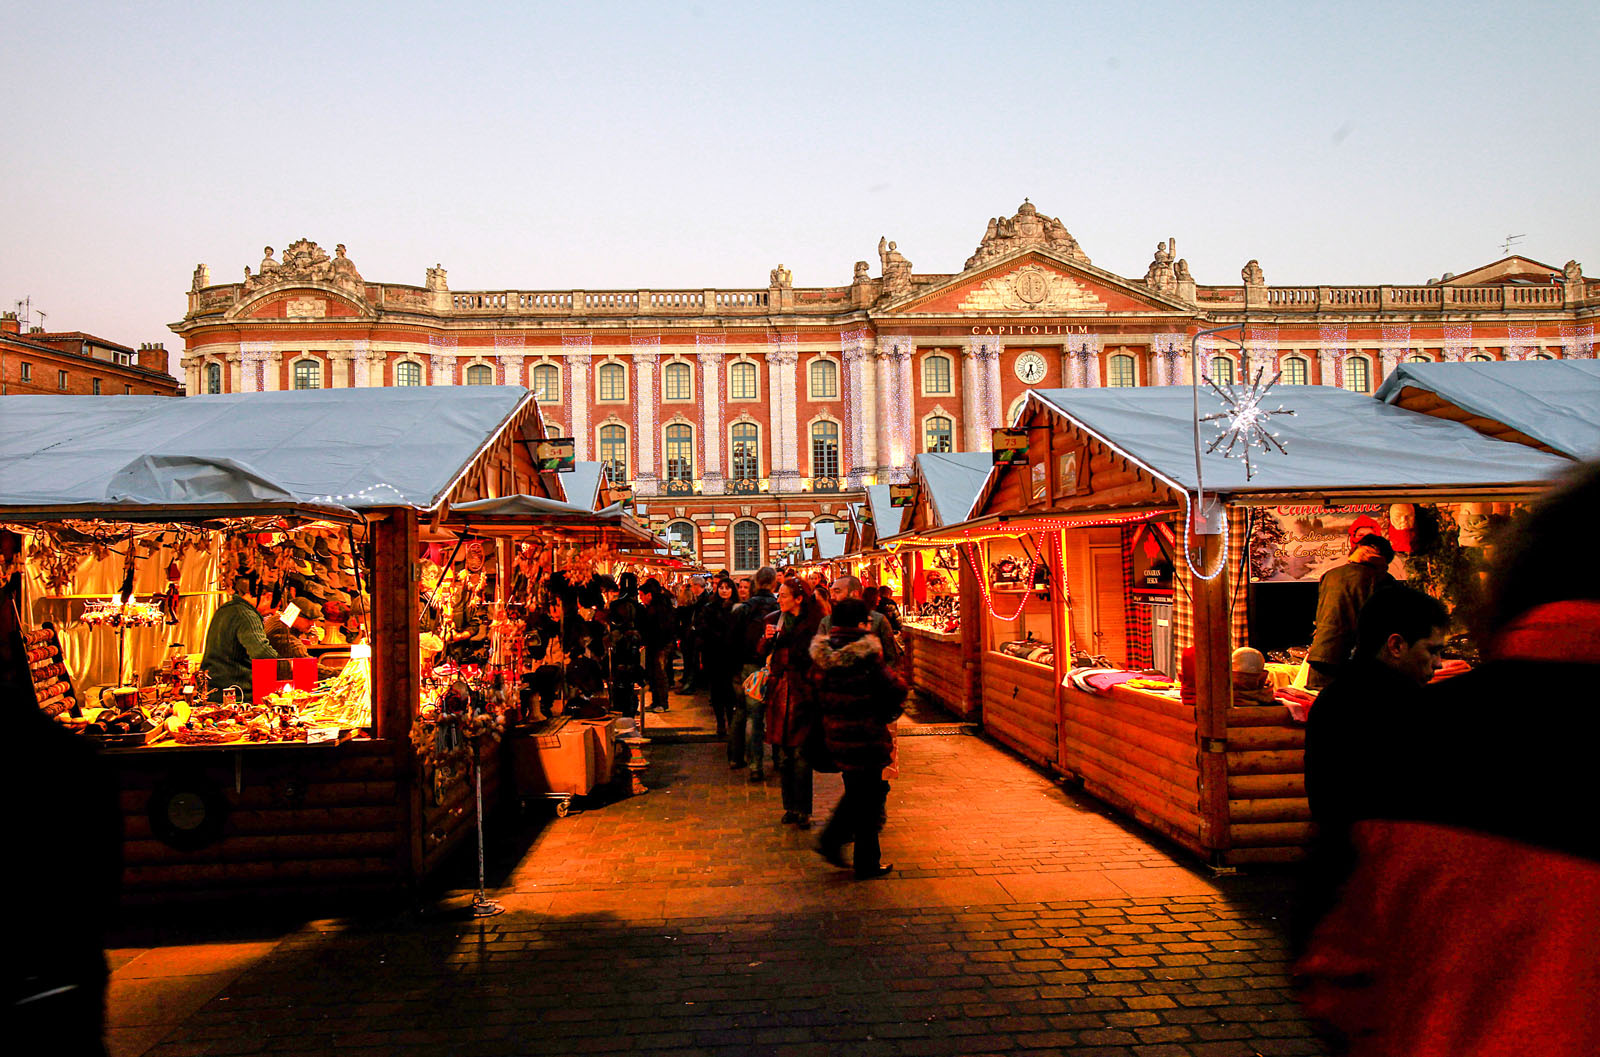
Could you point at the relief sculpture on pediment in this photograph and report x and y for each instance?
(305, 261)
(1031, 287)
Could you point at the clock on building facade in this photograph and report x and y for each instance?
(1030, 368)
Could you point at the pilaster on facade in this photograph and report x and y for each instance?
(980, 391)
(512, 371)
(578, 387)
(895, 447)
(783, 356)
(1166, 354)
(646, 397)
(712, 479)
(272, 370)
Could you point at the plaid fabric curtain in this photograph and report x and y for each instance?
(1136, 616)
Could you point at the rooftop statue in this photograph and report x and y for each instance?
(305, 261)
(1027, 228)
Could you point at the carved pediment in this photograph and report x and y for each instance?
(1032, 287)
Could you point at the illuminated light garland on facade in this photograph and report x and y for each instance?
(1260, 351)
(1457, 341)
(894, 390)
(361, 363)
(1083, 353)
(1333, 352)
(1522, 343)
(508, 370)
(253, 356)
(1577, 342)
(854, 351)
(1396, 345)
(1167, 350)
(783, 358)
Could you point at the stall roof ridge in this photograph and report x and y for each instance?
(1337, 441)
(340, 448)
(883, 515)
(1556, 402)
(954, 480)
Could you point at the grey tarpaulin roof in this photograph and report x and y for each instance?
(353, 448)
(885, 518)
(830, 544)
(1337, 440)
(582, 484)
(1556, 402)
(536, 510)
(953, 480)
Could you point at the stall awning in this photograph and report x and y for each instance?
(582, 484)
(1553, 402)
(328, 448)
(1339, 443)
(953, 480)
(531, 513)
(885, 518)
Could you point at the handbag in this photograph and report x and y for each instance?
(755, 684)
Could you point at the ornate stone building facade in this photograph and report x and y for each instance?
(741, 417)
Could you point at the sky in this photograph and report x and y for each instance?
(617, 146)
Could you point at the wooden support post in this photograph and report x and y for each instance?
(1213, 675)
(972, 617)
(395, 675)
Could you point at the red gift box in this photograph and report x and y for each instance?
(270, 676)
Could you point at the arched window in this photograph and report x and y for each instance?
(614, 452)
(677, 382)
(307, 374)
(213, 377)
(742, 381)
(1541, 356)
(1121, 372)
(407, 373)
(1221, 370)
(613, 382)
(480, 374)
(547, 383)
(680, 457)
(1295, 370)
(824, 380)
(938, 434)
(1419, 357)
(1480, 357)
(746, 546)
(1357, 374)
(936, 375)
(825, 449)
(745, 451)
(682, 532)
(1015, 409)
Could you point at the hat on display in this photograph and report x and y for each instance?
(309, 608)
(320, 545)
(337, 610)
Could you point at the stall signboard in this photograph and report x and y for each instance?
(903, 495)
(1298, 543)
(557, 454)
(1009, 447)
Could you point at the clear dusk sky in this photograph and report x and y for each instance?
(613, 145)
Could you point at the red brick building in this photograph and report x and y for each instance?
(743, 416)
(78, 364)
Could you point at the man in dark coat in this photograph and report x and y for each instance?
(1340, 595)
(858, 697)
(747, 721)
(659, 627)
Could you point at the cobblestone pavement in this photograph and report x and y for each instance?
(1020, 918)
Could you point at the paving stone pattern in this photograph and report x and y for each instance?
(1020, 918)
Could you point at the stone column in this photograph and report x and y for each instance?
(994, 413)
(578, 386)
(783, 416)
(971, 396)
(192, 376)
(237, 370)
(272, 370)
(361, 370)
(858, 406)
(895, 449)
(646, 478)
(711, 477)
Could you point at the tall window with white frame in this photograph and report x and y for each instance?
(1357, 374)
(742, 380)
(307, 374)
(682, 533)
(824, 380)
(407, 373)
(677, 382)
(745, 453)
(746, 546)
(1221, 370)
(680, 457)
(480, 374)
(614, 452)
(613, 379)
(1480, 357)
(547, 383)
(213, 378)
(1121, 371)
(938, 435)
(825, 451)
(936, 376)
(1295, 370)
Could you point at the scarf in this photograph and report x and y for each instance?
(1554, 633)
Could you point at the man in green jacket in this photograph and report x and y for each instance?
(235, 638)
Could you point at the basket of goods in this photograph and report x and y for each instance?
(121, 727)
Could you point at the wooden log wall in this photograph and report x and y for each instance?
(301, 818)
(937, 671)
(1019, 706)
(1269, 818)
(452, 822)
(1138, 752)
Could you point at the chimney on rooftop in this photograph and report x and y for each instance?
(9, 324)
(153, 356)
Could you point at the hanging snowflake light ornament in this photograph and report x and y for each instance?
(1244, 423)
